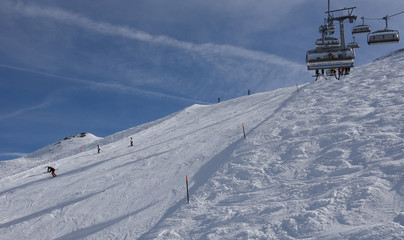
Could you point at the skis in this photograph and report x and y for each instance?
(51, 176)
(320, 75)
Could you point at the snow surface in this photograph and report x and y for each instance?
(324, 163)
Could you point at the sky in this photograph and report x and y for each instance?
(101, 67)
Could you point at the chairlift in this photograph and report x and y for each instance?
(330, 58)
(330, 29)
(353, 44)
(332, 54)
(327, 29)
(385, 36)
(361, 28)
(328, 42)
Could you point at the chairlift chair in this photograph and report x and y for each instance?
(385, 36)
(353, 44)
(328, 42)
(327, 29)
(361, 28)
(330, 58)
(330, 29)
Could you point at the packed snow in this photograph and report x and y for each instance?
(324, 162)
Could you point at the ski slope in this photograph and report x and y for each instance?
(326, 162)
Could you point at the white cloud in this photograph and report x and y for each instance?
(223, 66)
(27, 109)
(90, 84)
(67, 17)
(12, 154)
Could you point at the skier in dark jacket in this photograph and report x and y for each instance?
(52, 170)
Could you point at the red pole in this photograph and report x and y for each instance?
(186, 180)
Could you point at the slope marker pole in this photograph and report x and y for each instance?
(243, 130)
(186, 180)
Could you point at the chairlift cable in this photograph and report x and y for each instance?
(373, 18)
(384, 18)
(396, 14)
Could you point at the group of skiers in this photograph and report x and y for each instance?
(99, 148)
(248, 92)
(52, 170)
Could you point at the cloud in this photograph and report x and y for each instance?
(67, 17)
(90, 84)
(28, 109)
(12, 154)
(210, 65)
(165, 64)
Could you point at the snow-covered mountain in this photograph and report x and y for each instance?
(326, 162)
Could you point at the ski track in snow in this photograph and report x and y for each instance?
(324, 163)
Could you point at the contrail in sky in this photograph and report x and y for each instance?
(21, 111)
(210, 50)
(94, 84)
(67, 17)
(12, 154)
(89, 84)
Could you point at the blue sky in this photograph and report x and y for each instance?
(104, 66)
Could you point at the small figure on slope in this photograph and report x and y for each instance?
(131, 142)
(52, 170)
(98, 148)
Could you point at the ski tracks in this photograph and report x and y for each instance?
(231, 153)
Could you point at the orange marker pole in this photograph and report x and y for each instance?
(186, 180)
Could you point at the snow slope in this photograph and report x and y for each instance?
(324, 163)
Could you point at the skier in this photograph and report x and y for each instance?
(52, 170)
(249, 92)
(131, 142)
(98, 148)
(218, 100)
